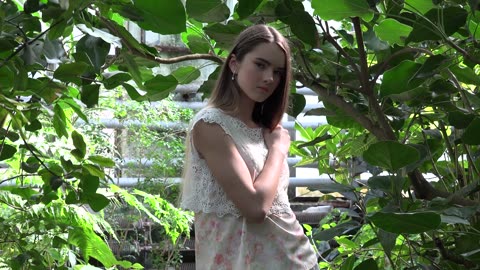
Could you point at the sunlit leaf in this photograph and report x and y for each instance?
(341, 9)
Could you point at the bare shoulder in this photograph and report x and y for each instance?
(209, 136)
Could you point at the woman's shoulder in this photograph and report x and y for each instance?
(210, 115)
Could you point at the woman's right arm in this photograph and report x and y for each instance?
(253, 197)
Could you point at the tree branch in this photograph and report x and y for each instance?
(338, 101)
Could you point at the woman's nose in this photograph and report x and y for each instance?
(268, 76)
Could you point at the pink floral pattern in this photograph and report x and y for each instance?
(231, 243)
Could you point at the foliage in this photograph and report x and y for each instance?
(398, 81)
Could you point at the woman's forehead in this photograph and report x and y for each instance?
(269, 52)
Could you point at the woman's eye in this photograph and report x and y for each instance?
(260, 65)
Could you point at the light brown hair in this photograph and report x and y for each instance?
(226, 93)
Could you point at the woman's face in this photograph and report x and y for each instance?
(260, 71)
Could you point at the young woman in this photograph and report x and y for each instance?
(236, 176)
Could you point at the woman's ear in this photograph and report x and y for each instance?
(233, 64)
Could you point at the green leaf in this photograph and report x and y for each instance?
(223, 34)
(93, 33)
(470, 136)
(60, 121)
(94, 170)
(387, 240)
(207, 10)
(391, 185)
(7, 78)
(342, 9)
(465, 74)
(132, 92)
(419, 6)
(7, 151)
(392, 31)
(451, 18)
(410, 223)
(246, 7)
(186, 74)
(102, 161)
(97, 201)
(79, 144)
(301, 23)
(90, 95)
(163, 17)
(160, 86)
(114, 79)
(198, 44)
(89, 184)
(368, 264)
(391, 155)
(298, 104)
(91, 245)
(70, 72)
(459, 119)
(400, 78)
(96, 49)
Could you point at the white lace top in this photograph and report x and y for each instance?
(224, 240)
(202, 193)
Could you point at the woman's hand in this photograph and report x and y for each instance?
(277, 140)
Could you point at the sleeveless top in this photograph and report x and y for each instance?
(223, 238)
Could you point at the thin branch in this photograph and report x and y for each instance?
(342, 104)
(337, 46)
(362, 55)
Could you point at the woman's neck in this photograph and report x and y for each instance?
(245, 110)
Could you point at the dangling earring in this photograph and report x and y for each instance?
(261, 109)
(233, 76)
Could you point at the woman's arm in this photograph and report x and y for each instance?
(252, 198)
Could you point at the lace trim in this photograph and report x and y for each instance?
(202, 193)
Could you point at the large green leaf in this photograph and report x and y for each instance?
(163, 17)
(97, 201)
(465, 74)
(448, 20)
(90, 94)
(246, 7)
(7, 77)
(387, 240)
(471, 136)
(391, 155)
(224, 35)
(342, 9)
(400, 78)
(91, 245)
(208, 10)
(160, 86)
(419, 6)
(301, 23)
(7, 151)
(410, 223)
(392, 31)
(186, 74)
(96, 49)
(298, 104)
(459, 119)
(70, 72)
(368, 264)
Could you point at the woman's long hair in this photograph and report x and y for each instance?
(226, 94)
